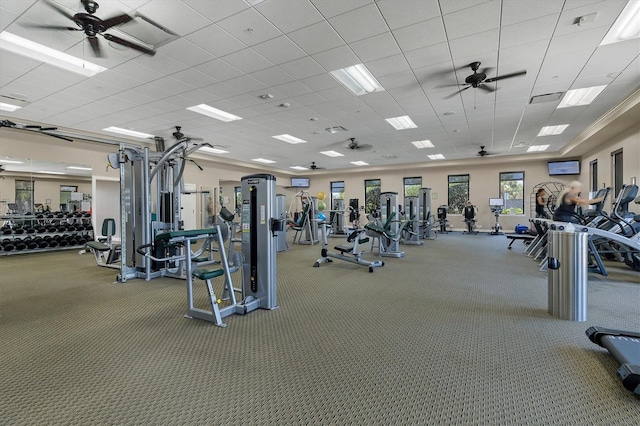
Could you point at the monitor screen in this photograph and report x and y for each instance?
(300, 182)
(559, 168)
(496, 202)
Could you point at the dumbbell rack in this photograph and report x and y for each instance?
(44, 232)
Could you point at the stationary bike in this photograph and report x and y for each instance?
(495, 229)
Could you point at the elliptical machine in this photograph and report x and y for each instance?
(496, 205)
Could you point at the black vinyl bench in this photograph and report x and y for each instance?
(526, 238)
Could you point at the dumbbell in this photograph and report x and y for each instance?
(7, 245)
(31, 244)
(18, 230)
(19, 244)
(41, 242)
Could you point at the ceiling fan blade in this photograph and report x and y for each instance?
(455, 93)
(116, 20)
(485, 70)
(501, 77)
(59, 9)
(364, 147)
(129, 44)
(50, 27)
(486, 88)
(95, 45)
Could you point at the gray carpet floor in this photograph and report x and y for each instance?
(457, 332)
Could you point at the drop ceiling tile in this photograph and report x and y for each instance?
(480, 18)
(321, 82)
(272, 76)
(186, 52)
(409, 13)
(222, 91)
(176, 16)
(303, 68)
(359, 24)
(425, 33)
(245, 83)
(279, 50)
(248, 60)
(429, 56)
(334, 59)
(293, 89)
(217, 10)
(376, 47)
(514, 12)
(162, 63)
(316, 38)
(279, 12)
(250, 27)
(389, 65)
(331, 8)
(310, 99)
(336, 93)
(477, 44)
(215, 40)
(219, 69)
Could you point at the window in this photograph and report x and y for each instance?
(24, 196)
(616, 167)
(238, 197)
(512, 192)
(412, 186)
(593, 175)
(458, 192)
(372, 195)
(337, 195)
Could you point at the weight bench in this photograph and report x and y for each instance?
(525, 238)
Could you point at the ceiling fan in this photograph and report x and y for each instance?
(483, 152)
(313, 166)
(479, 79)
(93, 26)
(353, 144)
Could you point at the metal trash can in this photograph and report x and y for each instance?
(567, 275)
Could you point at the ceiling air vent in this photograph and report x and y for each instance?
(549, 97)
(335, 129)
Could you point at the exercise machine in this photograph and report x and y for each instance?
(348, 252)
(304, 225)
(424, 215)
(624, 346)
(104, 249)
(442, 218)
(281, 213)
(260, 226)
(337, 218)
(496, 205)
(385, 228)
(411, 229)
(469, 217)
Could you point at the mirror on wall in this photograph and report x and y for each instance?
(30, 185)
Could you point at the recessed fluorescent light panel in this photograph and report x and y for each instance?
(22, 46)
(78, 168)
(627, 26)
(298, 168)
(8, 107)
(552, 130)
(210, 150)
(358, 79)
(262, 160)
(212, 112)
(51, 173)
(331, 153)
(436, 157)
(359, 163)
(578, 97)
(128, 132)
(537, 148)
(11, 161)
(402, 123)
(422, 144)
(289, 139)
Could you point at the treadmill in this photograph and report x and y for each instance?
(624, 346)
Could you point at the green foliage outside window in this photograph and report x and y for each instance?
(372, 195)
(512, 192)
(458, 192)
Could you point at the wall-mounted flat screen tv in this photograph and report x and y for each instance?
(560, 168)
(300, 182)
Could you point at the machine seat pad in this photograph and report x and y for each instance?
(165, 236)
(207, 274)
(380, 230)
(97, 245)
(344, 248)
(200, 259)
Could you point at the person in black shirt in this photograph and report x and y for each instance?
(568, 199)
(540, 204)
